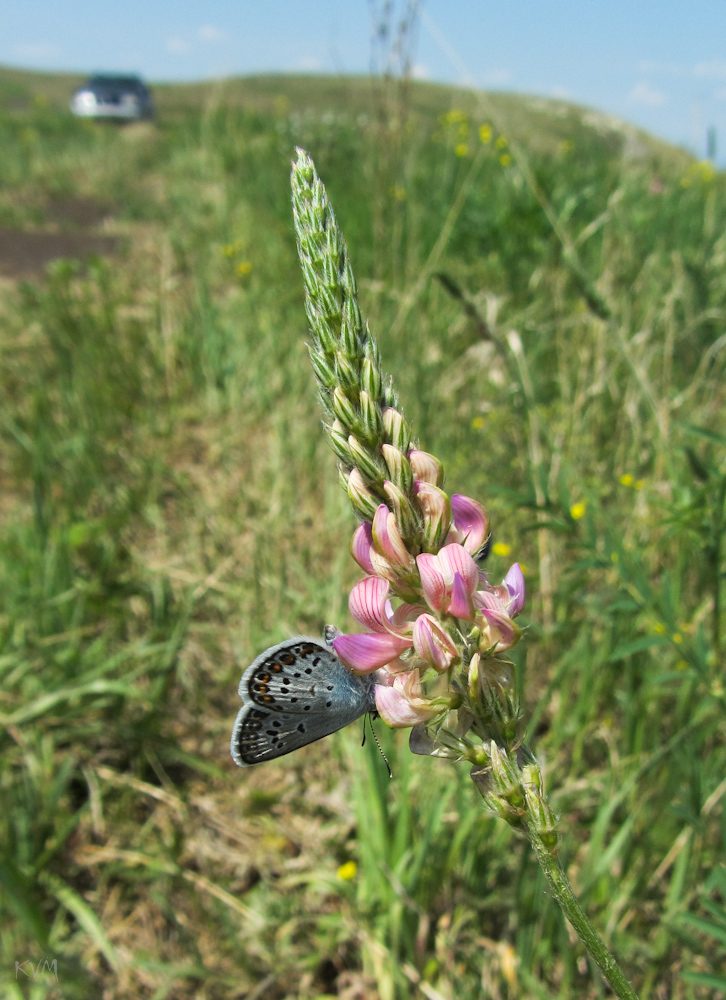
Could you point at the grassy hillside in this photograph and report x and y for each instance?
(548, 287)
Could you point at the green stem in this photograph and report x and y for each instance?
(564, 895)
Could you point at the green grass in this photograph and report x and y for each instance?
(170, 507)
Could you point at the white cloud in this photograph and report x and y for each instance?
(37, 50)
(497, 78)
(308, 64)
(715, 70)
(419, 71)
(176, 45)
(561, 93)
(208, 33)
(647, 96)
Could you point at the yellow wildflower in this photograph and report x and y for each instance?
(659, 628)
(454, 117)
(485, 133)
(477, 423)
(347, 871)
(501, 549)
(677, 638)
(502, 142)
(462, 149)
(243, 268)
(626, 479)
(505, 159)
(577, 510)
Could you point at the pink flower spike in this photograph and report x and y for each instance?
(360, 547)
(366, 652)
(367, 603)
(455, 559)
(433, 583)
(514, 582)
(387, 538)
(470, 521)
(403, 703)
(433, 643)
(460, 606)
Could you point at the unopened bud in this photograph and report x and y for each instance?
(436, 509)
(363, 501)
(370, 378)
(324, 371)
(399, 469)
(542, 817)
(426, 468)
(396, 429)
(370, 418)
(406, 518)
(339, 442)
(505, 777)
(346, 371)
(371, 468)
(344, 409)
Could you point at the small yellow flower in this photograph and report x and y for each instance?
(577, 510)
(462, 149)
(677, 638)
(626, 479)
(614, 557)
(477, 423)
(229, 250)
(525, 569)
(347, 871)
(501, 142)
(243, 268)
(398, 192)
(454, 117)
(501, 549)
(485, 134)
(505, 159)
(659, 628)
(681, 665)
(639, 484)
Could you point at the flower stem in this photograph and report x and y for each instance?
(570, 906)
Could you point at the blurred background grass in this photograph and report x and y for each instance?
(548, 287)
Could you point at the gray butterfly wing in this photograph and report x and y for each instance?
(293, 694)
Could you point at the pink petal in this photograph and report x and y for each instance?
(489, 599)
(402, 704)
(433, 643)
(471, 520)
(367, 603)
(502, 631)
(366, 652)
(460, 606)
(426, 468)
(514, 582)
(455, 559)
(432, 581)
(360, 547)
(387, 538)
(404, 616)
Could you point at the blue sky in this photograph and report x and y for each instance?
(660, 64)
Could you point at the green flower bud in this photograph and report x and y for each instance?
(370, 418)
(363, 459)
(344, 409)
(406, 517)
(346, 372)
(370, 379)
(363, 501)
(398, 466)
(396, 429)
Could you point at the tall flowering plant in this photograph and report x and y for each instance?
(436, 629)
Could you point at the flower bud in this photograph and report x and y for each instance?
(339, 442)
(346, 372)
(363, 501)
(344, 409)
(436, 509)
(406, 518)
(370, 378)
(402, 702)
(388, 541)
(542, 817)
(505, 777)
(370, 468)
(360, 547)
(433, 643)
(396, 429)
(399, 469)
(426, 468)
(370, 417)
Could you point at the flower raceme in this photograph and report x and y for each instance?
(443, 591)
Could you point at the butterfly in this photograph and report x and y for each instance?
(294, 694)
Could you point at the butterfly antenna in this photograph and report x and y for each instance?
(380, 748)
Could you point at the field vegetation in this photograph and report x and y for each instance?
(548, 288)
